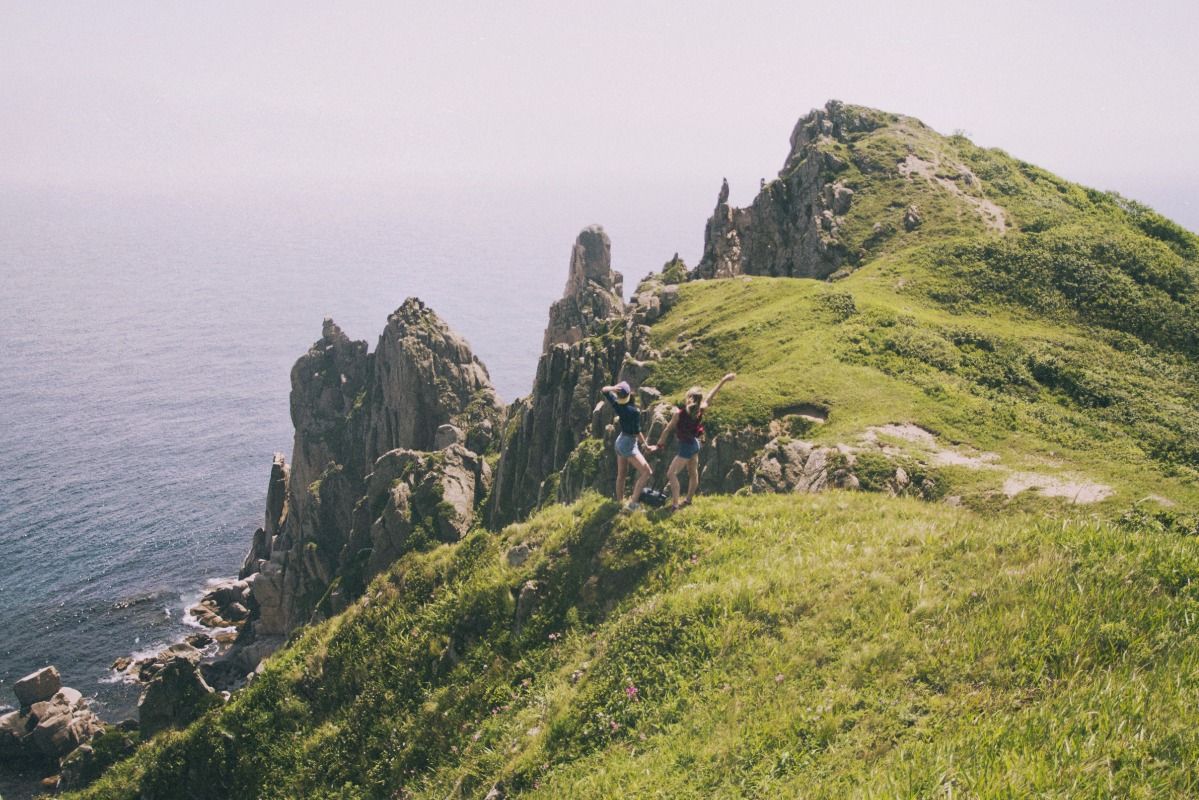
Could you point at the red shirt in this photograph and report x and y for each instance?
(689, 427)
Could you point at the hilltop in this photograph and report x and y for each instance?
(948, 542)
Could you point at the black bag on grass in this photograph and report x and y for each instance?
(653, 497)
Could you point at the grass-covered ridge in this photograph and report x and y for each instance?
(1042, 396)
(782, 646)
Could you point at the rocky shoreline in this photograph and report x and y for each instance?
(50, 740)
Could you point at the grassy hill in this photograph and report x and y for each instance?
(1038, 329)
(832, 645)
(1027, 343)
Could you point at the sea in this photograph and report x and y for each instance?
(146, 340)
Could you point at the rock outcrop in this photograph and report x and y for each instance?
(351, 409)
(793, 226)
(175, 697)
(593, 291)
(425, 376)
(590, 337)
(276, 517)
(37, 686)
(53, 721)
(413, 498)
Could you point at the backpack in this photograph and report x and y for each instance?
(653, 497)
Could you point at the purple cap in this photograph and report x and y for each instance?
(623, 388)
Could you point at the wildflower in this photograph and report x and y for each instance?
(631, 691)
(778, 678)
(555, 636)
(614, 725)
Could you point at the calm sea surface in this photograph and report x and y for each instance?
(145, 347)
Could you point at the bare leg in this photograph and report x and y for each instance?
(692, 477)
(644, 473)
(672, 478)
(622, 465)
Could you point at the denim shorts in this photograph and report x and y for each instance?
(626, 445)
(688, 448)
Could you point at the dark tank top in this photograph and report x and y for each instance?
(689, 427)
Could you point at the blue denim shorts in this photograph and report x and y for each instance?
(688, 448)
(626, 445)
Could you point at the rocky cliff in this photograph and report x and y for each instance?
(421, 389)
(854, 179)
(592, 339)
(792, 228)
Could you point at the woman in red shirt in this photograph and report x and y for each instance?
(687, 423)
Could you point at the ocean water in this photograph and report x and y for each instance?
(145, 348)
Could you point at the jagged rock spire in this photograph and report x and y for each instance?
(593, 290)
(350, 409)
(792, 227)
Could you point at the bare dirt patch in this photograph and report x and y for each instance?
(993, 215)
(1071, 487)
(1075, 490)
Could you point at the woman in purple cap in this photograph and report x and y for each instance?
(687, 424)
(620, 397)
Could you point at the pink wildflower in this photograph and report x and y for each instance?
(631, 691)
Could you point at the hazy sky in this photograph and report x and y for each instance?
(154, 96)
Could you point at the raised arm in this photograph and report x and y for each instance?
(605, 391)
(716, 388)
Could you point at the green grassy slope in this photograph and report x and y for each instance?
(1051, 399)
(1064, 340)
(810, 646)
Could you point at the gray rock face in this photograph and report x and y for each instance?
(176, 696)
(425, 376)
(587, 338)
(540, 459)
(350, 408)
(62, 723)
(912, 218)
(592, 292)
(276, 517)
(49, 727)
(326, 384)
(13, 734)
(446, 436)
(798, 466)
(792, 227)
(548, 425)
(412, 497)
(37, 686)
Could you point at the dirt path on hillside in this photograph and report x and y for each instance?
(1074, 488)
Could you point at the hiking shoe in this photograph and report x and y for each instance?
(631, 507)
